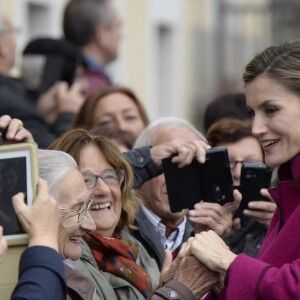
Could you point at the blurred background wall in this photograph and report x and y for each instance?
(177, 54)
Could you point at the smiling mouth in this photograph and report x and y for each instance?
(101, 206)
(269, 143)
(75, 238)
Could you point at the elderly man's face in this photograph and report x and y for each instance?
(73, 195)
(154, 191)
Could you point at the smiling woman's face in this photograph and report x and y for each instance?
(73, 195)
(276, 118)
(119, 112)
(107, 199)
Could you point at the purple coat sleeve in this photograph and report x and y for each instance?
(249, 279)
(41, 275)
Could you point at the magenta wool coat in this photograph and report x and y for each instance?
(275, 274)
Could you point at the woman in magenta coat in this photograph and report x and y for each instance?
(272, 88)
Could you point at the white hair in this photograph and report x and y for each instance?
(147, 136)
(53, 167)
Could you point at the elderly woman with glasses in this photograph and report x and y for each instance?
(131, 272)
(67, 186)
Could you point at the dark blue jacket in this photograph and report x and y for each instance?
(41, 275)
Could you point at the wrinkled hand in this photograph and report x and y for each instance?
(183, 152)
(220, 284)
(166, 269)
(206, 215)
(212, 251)
(40, 220)
(261, 211)
(169, 268)
(16, 133)
(196, 276)
(3, 245)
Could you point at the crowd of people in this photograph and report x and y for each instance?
(101, 225)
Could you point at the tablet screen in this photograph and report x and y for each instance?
(15, 177)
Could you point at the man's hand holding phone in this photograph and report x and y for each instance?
(206, 215)
(257, 202)
(12, 131)
(209, 180)
(262, 211)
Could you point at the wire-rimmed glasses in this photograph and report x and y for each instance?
(76, 217)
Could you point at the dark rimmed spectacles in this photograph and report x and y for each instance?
(76, 216)
(234, 163)
(109, 176)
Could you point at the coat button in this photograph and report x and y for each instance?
(140, 159)
(172, 294)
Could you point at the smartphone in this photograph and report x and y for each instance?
(211, 181)
(57, 69)
(215, 177)
(18, 173)
(254, 177)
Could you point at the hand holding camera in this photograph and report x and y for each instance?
(12, 131)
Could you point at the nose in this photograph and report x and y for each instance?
(101, 188)
(258, 126)
(122, 124)
(236, 173)
(88, 225)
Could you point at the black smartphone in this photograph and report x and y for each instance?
(183, 184)
(215, 177)
(254, 177)
(57, 69)
(211, 181)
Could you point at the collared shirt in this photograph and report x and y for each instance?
(174, 240)
(92, 64)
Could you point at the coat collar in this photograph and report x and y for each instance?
(286, 195)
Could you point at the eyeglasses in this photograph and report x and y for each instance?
(109, 176)
(77, 216)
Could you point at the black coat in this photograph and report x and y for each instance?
(13, 102)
